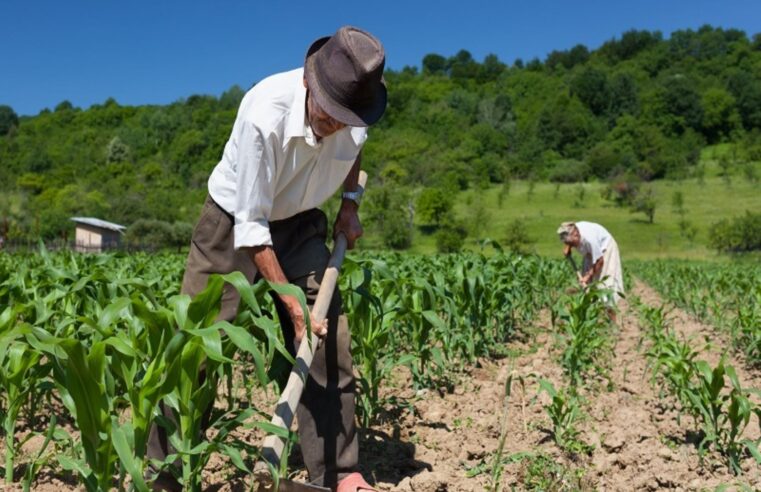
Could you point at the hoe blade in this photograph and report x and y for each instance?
(291, 486)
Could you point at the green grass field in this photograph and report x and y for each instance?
(549, 205)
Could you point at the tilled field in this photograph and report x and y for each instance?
(638, 442)
(446, 440)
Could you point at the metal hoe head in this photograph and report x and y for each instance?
(290, 486)
(265, 482)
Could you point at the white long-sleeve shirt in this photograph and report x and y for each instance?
(273, 167)
(594, 239)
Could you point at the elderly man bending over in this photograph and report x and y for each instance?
(601, 259)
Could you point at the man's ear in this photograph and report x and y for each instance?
(305, 81)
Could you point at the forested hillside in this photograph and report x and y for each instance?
(639, 107)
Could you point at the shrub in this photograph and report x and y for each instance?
(622, 190)
(517, 238)
(741, 234)
(149, 233)
(451, 238)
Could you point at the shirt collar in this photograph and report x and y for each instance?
(297, 125)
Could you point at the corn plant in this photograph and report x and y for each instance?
(371, 318)
(583, 334)
(201, 348)
(724, 412)
(563, 411)
(498, 459)
(419, 310)
(673, 361)
(727, 296)
(79, 373)
(20, 373)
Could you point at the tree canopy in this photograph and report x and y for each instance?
(641, 104)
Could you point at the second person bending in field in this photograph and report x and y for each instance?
(601, 258)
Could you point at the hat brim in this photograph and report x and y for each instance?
(361, 117)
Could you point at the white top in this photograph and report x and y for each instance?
(273, 167)
(594, 239)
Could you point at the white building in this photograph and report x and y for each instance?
(95, 235)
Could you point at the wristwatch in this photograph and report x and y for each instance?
(355, 196)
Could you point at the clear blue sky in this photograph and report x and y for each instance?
(156, 52)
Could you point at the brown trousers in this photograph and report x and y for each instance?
(326, 424)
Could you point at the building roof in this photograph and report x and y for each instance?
(103, 224)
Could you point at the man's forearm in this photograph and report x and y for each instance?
(351, 183)
(268, 266)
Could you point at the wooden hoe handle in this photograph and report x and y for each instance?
(272, 448)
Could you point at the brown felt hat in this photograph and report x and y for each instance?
(344, 73)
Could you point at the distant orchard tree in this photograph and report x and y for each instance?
(645, 202)
(8, 119)
(517, 238)
(433, 205)
(388, 209)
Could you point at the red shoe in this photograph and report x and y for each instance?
(354, 483)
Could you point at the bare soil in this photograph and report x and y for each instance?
(431, 441)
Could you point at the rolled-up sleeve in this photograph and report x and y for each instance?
(255, 188)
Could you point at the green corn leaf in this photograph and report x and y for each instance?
(435, 320)
(112, 313)
(205, 307)
(752, 447)
(123, 439)
(270, 428)
(235, 457)
(212, 343)
(244, 341)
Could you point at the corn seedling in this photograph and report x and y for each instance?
(725, 412)
(563, 411)
(583, 335)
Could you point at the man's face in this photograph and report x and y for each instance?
(574, 238)
(323, 125)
